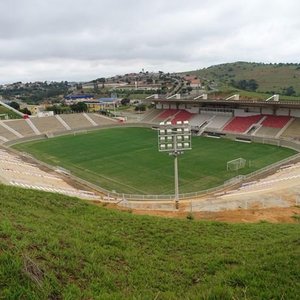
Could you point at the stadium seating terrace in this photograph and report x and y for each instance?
(242, 124)
(272, 126)
(275, 121)
(167, 113)
(183, 115)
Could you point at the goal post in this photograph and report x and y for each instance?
(236, 164)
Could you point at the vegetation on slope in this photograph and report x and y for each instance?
(270, 78)
(56, 247)
(35, 92)
(127, 160)
(10, 113)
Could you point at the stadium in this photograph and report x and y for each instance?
(245, 154)
(53, 245)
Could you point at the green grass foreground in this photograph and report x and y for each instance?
(127, 160)
(56, 247)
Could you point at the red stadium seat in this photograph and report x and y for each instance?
(242, 124)
(183, 115)
(276, 121)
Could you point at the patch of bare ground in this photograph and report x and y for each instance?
(272, 215)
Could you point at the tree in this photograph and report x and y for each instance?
(79, 107)
(14, 105)
(248, 85)
(140, 107)
(242, 84)
(25, 111)
(189, 89)
(96, 88)
(290, 91)
(57, 109)
(125, 101)
(102, 80)
(252, 85)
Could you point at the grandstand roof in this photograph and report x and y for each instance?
(230, 103)
(79, 96)
(108, 100)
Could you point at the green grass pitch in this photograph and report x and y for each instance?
(127, 160)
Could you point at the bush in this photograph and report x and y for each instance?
(125, 101)
(140, 107)
(190, 216)
(289, 91)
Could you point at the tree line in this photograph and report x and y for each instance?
(61, 109)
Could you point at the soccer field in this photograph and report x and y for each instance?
(127, 160)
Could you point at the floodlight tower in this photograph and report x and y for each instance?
(175, 139)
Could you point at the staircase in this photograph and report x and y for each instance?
(63, 123)
(90, 119)
(32, 126)
(16, 133)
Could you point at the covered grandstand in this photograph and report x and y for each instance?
(249, 118)
(273, 119)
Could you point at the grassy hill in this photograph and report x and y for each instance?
(271, 78)
(56, 247)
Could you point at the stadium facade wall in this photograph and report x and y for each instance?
(282, 112)
(267, 111)
(295, 113)
(242, 113)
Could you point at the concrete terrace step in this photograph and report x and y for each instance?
(32, 126)
(90, 119)
(16, 133)
(63, 122)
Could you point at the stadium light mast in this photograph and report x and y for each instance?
(175, 139)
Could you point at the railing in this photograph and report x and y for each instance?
(215, 204)
(250, 101)
(11, 108)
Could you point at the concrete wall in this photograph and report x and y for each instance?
(267, 111)
(295, 113)
(282, 112)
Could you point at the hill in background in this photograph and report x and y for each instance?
(279, 78)
(57, 247)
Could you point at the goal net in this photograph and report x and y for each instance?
(236, 164)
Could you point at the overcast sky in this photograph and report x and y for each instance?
(85, 39)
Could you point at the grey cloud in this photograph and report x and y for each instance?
(64, 39)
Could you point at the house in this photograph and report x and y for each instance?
(74, 98)
(193, 81)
